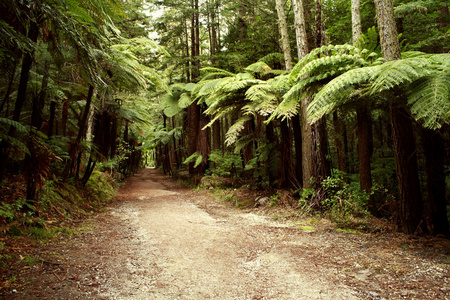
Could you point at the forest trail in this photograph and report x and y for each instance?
(161, 240)
(211, 253)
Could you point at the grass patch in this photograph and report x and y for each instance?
(306, 228)
(346, 230)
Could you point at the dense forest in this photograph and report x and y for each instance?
(343, 103)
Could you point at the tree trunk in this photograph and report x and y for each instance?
(410, 203)
(298, 148)
(410, 197)
(364, 132)
(75, 146)
(436, 201)
(319, 129)
(287, 175)
(338, 141)
(284, 41)
(51, 121)
(302, 50)
(356, 20)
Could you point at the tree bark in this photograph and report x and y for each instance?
(298, 148)
(436, 201)
(338, 142)
(364, 132)
(410, 203)
(284, 40)
(356, 20)
(75, 146)
(302, 50)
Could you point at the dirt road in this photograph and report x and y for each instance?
(163, 241)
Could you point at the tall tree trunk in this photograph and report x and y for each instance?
(302, 50)
(320, 137)
(338, 141)
(75, 146)
(39, 102)
(436, 201)
(364, 132)
(356, 20)
(410, 197)
(287, 175)
(364, 123)
(298, 148)
(284, 40)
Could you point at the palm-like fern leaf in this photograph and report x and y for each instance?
(328, 97)
(399, 72)
(235, 130)
(430, 100)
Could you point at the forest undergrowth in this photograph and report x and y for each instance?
(343, 208)
(61, 207)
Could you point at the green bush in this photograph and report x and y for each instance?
(343, 196)
(225, 164)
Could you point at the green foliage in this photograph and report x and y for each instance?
(343, 199)
(225, 163)
(197, 157)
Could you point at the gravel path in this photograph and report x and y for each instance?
(160, 240)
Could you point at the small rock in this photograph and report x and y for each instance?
(260, 201)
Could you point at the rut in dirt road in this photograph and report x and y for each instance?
(192, 253)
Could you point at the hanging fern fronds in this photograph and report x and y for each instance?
(324, 51)
(335, 62)
(235, 130)
(330, 96)
(429, 100)
(399, 72)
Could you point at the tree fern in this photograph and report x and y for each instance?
(429, 100)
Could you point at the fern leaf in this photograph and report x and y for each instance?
(330, 96)
(11, 123)
(399, 72)
(429, 100)
(235, 130)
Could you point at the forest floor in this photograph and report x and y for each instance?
(161, 240)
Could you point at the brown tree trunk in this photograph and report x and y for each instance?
(364, 132)
(338, 142)
(436, 201)
(298, 148)
(319, 129)
(302, 50)
(410, 203)
(75, 146)
(410, 198)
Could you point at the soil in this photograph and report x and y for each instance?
(161, 240)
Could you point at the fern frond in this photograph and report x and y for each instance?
(235, 130)
(272, 58)
(399, 72)
(216, 71)
(258, 67)
(409, 8)
(330, 96)
(429, 100)
(11, 123)
(323, 64)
